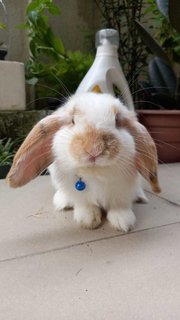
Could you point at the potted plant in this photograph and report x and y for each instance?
(162, 90)
(6, 156)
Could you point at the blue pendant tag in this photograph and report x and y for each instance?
(80, 185)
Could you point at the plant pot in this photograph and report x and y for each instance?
(164, 127)
(4, 169)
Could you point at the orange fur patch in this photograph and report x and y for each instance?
(114, 110)
(94, 141)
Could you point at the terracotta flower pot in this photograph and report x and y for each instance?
(164, 127)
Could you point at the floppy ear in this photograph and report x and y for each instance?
(146, 153)
(35, 153)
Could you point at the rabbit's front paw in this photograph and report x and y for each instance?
(122, 219)
(61, 201)
(88, 217)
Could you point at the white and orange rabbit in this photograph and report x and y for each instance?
(96, 150)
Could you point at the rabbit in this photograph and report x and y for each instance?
(96, 151)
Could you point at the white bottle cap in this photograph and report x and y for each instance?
(110, 35)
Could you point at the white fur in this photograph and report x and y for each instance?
(123, 219)
(111, 184)
(140, 196)
(88, 216)
(61, 200)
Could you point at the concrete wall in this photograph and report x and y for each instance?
(16, 39)
(78, 19)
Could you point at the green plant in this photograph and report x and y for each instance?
(163, 89)
(57, 79)
(164, 25)
(6, 151)
(55, 71)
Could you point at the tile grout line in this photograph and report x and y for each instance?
(162, 198)
(83, 243)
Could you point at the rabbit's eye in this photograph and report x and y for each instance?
(73, 122)
(117, 120)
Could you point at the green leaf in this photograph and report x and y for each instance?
(55, 42)
(32, 17)
(58, 45)
(32, 6)
(148, 10)
(53, 9)
(6, 151)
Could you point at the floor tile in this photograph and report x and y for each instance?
(135, 276)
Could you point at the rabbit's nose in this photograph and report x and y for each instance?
(93, 155)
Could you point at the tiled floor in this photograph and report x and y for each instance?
(51, 269)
